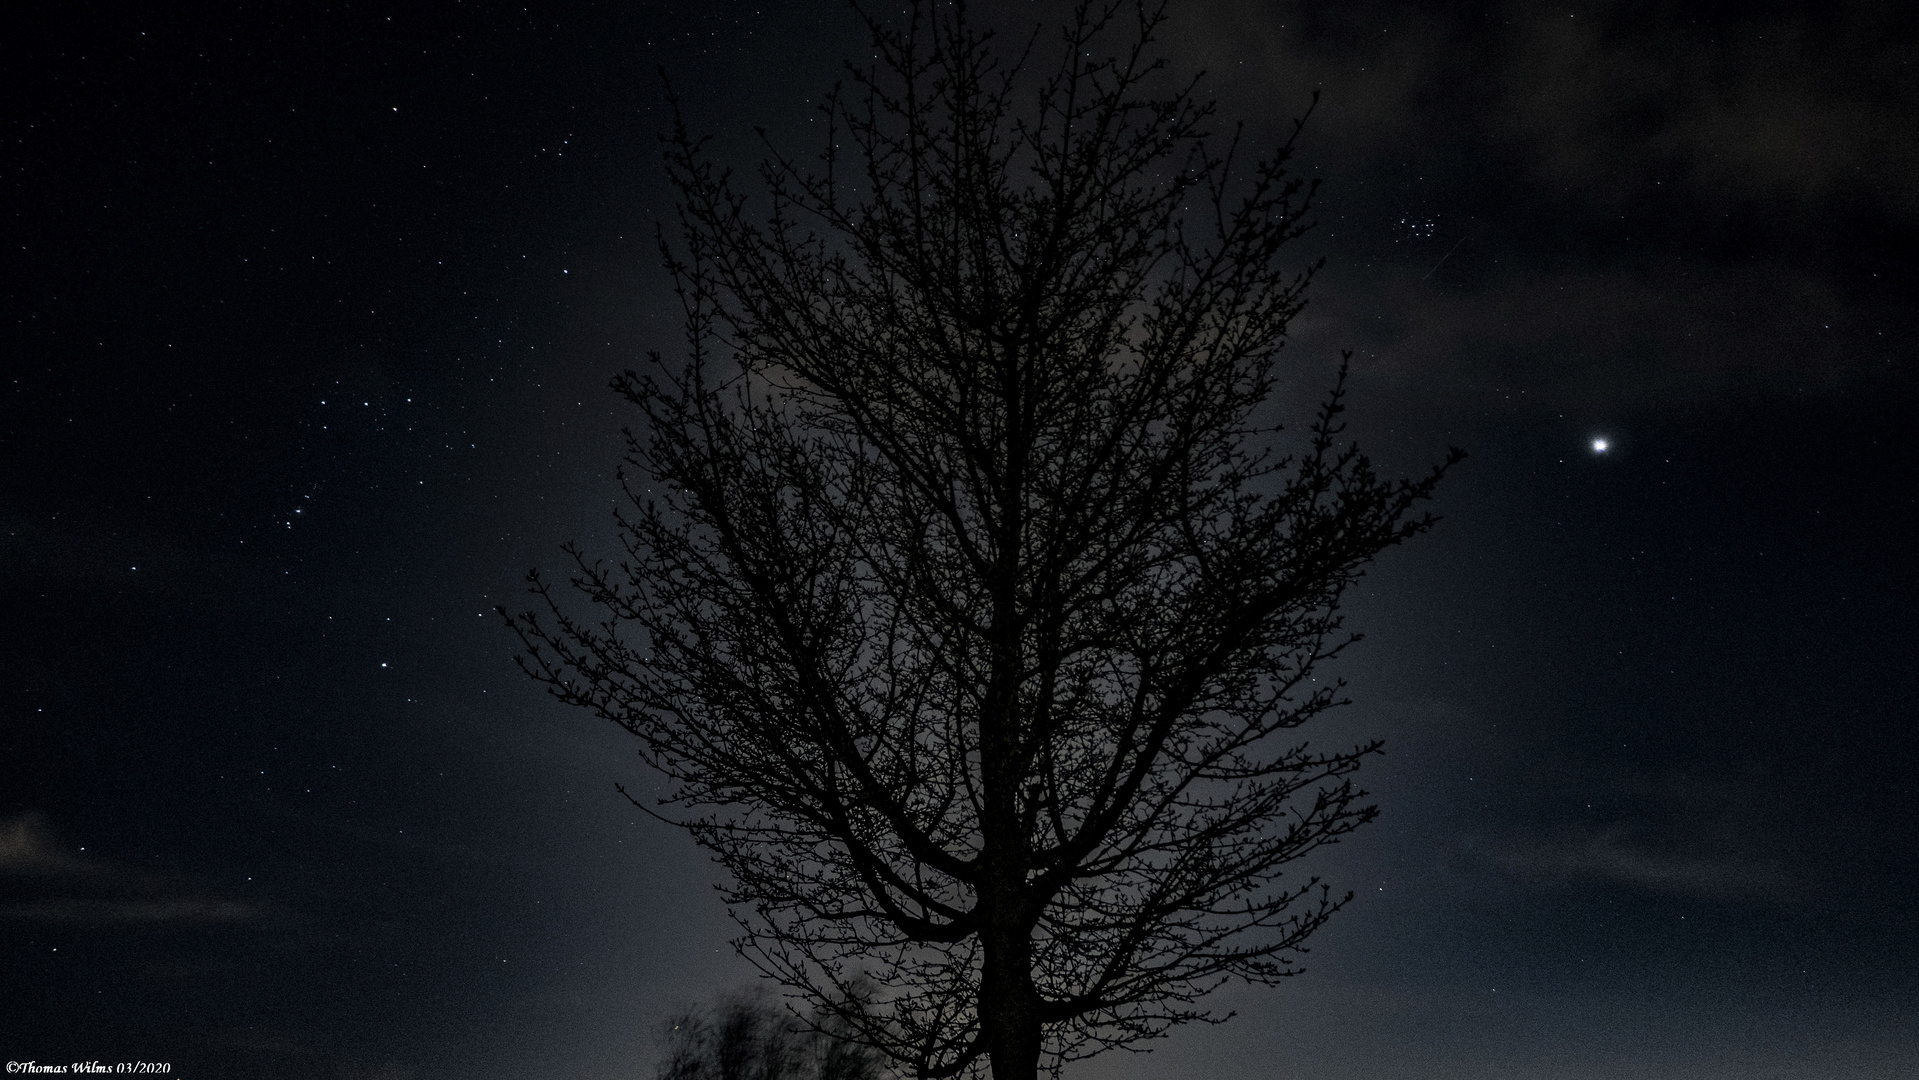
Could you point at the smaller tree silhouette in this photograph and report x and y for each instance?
(747, 1036)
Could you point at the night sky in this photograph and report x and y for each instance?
(308, 313)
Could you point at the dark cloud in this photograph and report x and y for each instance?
(1760, 103)
(1777, 106)
(1612, 203)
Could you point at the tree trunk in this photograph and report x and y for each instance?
(1009, 1004)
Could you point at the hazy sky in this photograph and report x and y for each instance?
(308, 316)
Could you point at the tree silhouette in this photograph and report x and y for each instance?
(749, 1037)
(967, 598)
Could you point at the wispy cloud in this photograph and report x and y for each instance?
(1619, 856)
(1576, 335)
(121, 912)
(42, 881)
(27, 849)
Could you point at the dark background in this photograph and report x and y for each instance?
(308, 314)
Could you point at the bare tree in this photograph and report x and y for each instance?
(967, 599)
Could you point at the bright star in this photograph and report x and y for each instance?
(1599, 446)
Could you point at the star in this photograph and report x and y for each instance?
(1599, 446)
